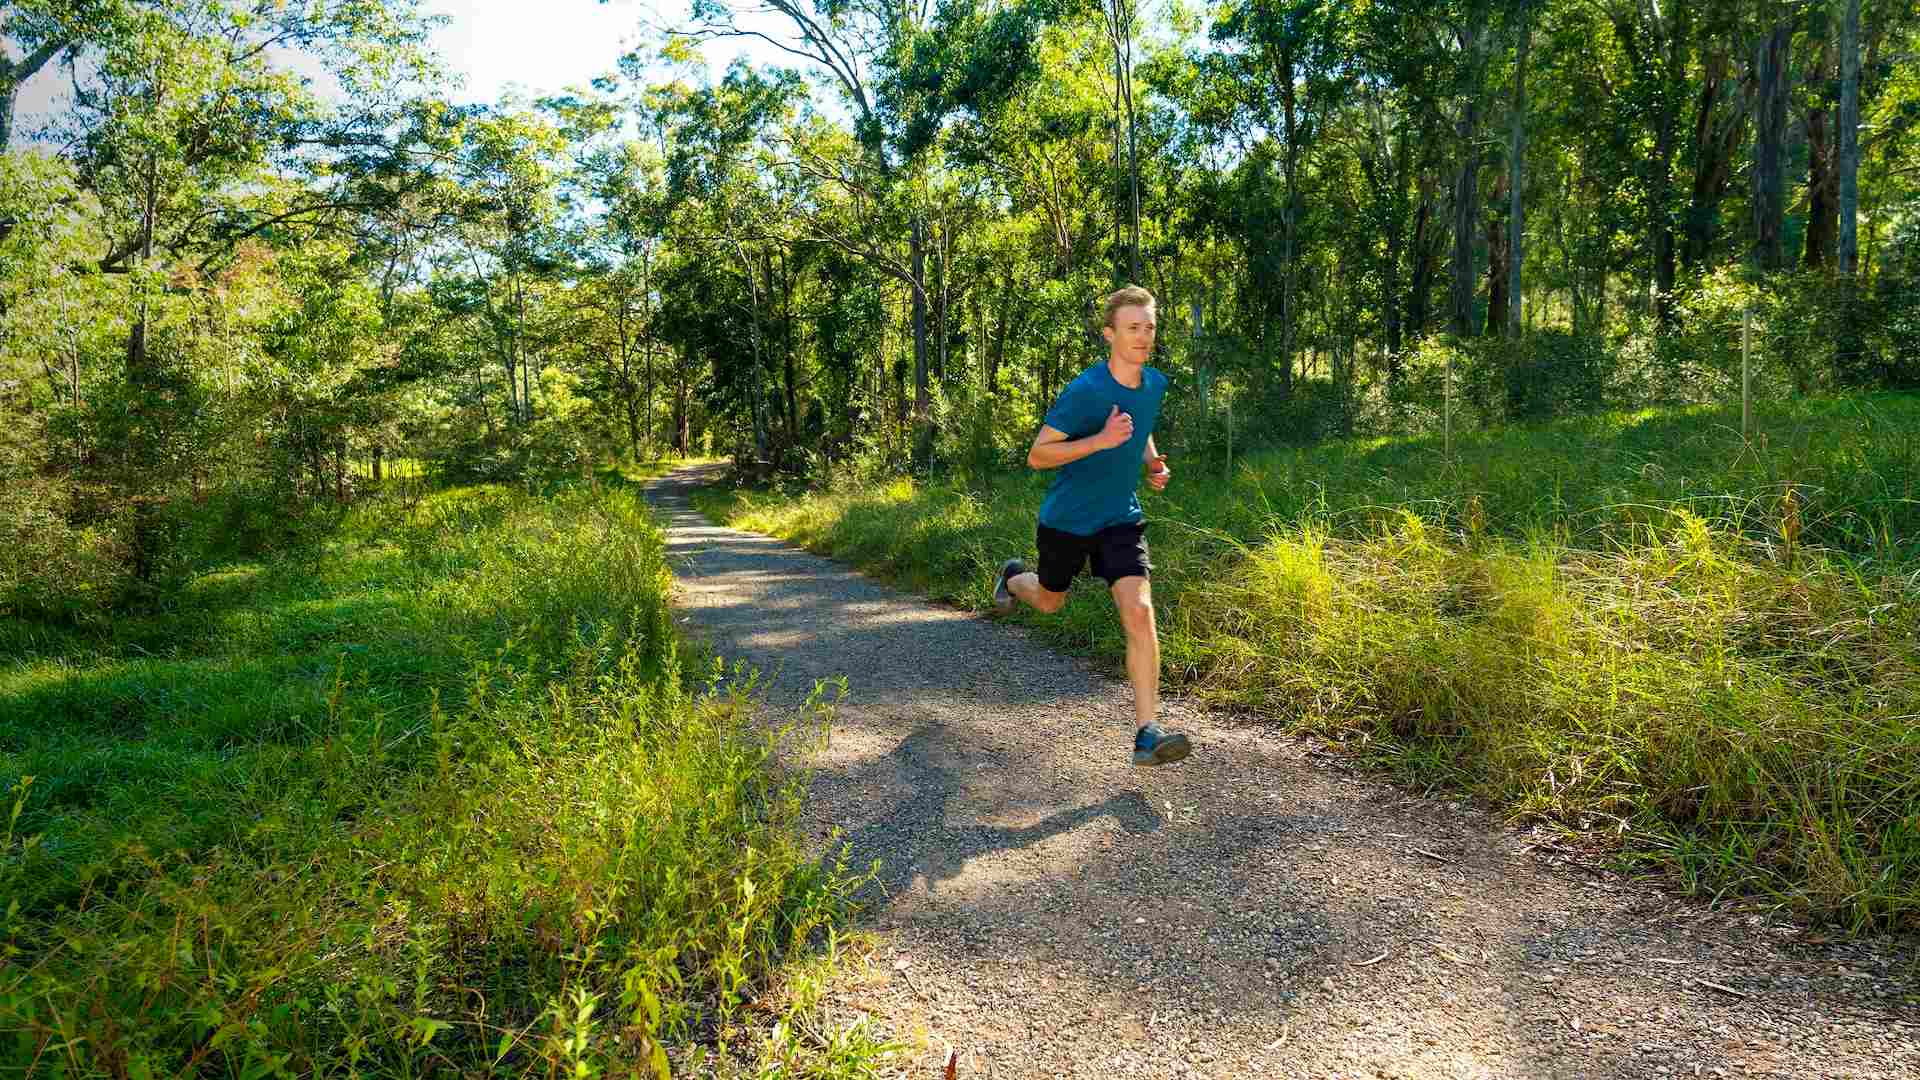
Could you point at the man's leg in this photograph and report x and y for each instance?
(1061, 557)
(1027, 588)
(1124, 563)
(1134, 599)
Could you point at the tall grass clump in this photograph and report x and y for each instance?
(1694, 648)
(504, 830)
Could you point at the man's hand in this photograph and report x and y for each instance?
(1118, 429)
(1157, 472)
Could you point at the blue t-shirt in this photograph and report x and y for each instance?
(1101, 489)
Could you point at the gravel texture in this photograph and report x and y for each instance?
(1045, 909)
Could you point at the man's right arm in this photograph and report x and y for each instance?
(1052, 449)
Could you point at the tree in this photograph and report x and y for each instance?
(197, 148)
(1849, 125)
(41, 30)
(1118, 15)
(853, 43)
(1516, 214)
(1772, 80)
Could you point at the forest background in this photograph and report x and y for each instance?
(231, 279)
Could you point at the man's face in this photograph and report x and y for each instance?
(1131, 334)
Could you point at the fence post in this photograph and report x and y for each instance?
(1446, 409)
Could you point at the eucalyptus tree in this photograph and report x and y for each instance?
(509, 245)
(196, 146)
(1289, 69)
(854, 46)
(622, 260)
(1039, 148)
(901, 70)
(34, 34)
(729, 197)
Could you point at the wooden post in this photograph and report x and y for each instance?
(1446, 410)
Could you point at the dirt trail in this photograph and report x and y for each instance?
(1046, 909)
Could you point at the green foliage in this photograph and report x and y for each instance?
(1692, 648)
(447, 794)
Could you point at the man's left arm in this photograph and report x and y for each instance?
(1157, 472)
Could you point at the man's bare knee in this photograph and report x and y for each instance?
(1046, 600)
(1135, 604)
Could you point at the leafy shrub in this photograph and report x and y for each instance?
(50, 569)
(510, 827)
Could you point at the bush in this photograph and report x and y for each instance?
(1550, 374)
(444, 797)
(50, 569)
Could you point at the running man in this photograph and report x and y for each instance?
(1099, 434)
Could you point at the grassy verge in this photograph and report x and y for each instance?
(1696, 649)
(441, 797)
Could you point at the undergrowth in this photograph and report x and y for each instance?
(446, 796)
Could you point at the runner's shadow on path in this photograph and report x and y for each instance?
(926, 835)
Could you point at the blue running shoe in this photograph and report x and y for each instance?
(1002, 599)
(1151, 746)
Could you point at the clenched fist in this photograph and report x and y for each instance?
(1157, 472)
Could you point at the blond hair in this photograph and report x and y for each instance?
(1131, 296)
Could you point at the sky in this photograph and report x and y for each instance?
(537, 46)
(540, 46)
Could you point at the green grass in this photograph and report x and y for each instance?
(445, 796)
(1694, 650)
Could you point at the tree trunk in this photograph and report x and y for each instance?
(1123, 83)
(1290, 223)
(1497, 273)
(1421, 292)
(1822, 193)
(1769, 149)
(1466, 199)
(1671, 33)
(943, 251)
(682, 420)
(1717, 129)
(922, 394)
(756, 392)
(1823, 176)
(1392, 182)
(645, 431)
(12, 74)
(1516, 165)
(1847, 194)
(790, 393)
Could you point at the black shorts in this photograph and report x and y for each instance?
(1117, 551)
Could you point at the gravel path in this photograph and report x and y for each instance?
(1046, 909)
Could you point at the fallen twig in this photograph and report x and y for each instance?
(1370, 963)
(910, 984)
(1723, 988)
(1434, 857)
